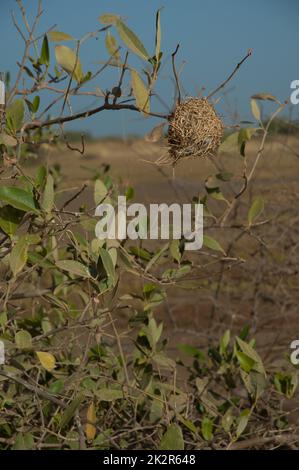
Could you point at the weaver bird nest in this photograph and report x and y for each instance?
(195, 130)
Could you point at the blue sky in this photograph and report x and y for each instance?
(213, 34)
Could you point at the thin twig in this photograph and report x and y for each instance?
(249, 53)
(175, 73)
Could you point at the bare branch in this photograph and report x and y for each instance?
(249, 53)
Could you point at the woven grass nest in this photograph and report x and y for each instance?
(195, 130)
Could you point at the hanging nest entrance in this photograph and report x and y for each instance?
(195, 130)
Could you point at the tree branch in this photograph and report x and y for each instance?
(249, 53)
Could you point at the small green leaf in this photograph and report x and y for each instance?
(224, 342)
(35, 103)
(100, 192)
(107, 264)
(10, 219)
(15, 115)
(174, 248)
(68, 60)
(255, 110)
(57, 36)
(45, 52)
(18, 255)
(245, 361)
(140, 92)
(264, 96)
(230, 143)
(129, 193)
(74, 267)
(109, 394)
(250, 352)
(131, 40)
(24, 442)
(255, 210)
(286, 383)
(23, 339)
(164, 361)
(18, 198)
(108, 18)
(158, 36)
(243, 421)
(156, 257)
(192, 351)
(211, 243)
(48, 195)
(207, 428)
(172, 439)
(112, 46)
(70, 411)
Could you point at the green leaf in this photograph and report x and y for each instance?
(74, 267)
(158, 36)
(70, 411)
(156, 410)
(255, 210)
(245, 361)
(243, 421)
(109, 394)
(140, 253)
(18, 198)
(211, 243)
(35, 103)
(172, 439)
(207, 428)
(264, 96)
(131, 40)
(57, 36)
(10, 219)
(15, 115)
(45, 52)
(250, 352)
(18, 255)
(192, 351)
(230, 143)
(286, 383)
(164, 361)
(112, 46)
(188, 424)
(244, 136)
(108, 18)
(24, 442)
(255, 110)
(3, 318)
(174, 248)
(48, 195)
(156, 257)
(108, 264)
(68, 60)
(100, 192)
(227, 420)
(224, 342)
(140, 92)
(23, 339)
(154, 332)
(129, 193)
